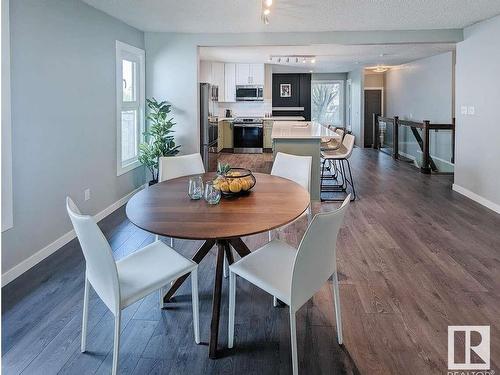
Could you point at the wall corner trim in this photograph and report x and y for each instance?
(51, 248)
(477, 198)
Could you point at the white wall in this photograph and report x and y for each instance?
(423, 90)
(477, 167)
(63, 119)
(356, 78)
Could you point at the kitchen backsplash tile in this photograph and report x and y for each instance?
(250, 109)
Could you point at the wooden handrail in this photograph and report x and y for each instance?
(427, 162)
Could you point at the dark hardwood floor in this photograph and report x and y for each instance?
(413, 258)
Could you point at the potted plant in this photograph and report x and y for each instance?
(159, 141)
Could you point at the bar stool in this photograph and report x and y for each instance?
(344, 181)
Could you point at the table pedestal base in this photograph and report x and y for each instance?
(223, 248)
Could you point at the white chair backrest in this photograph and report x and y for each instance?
(340, 131)
(348, 143)
(316, 258)
(293, 167)
(178, 166)
(100, 265)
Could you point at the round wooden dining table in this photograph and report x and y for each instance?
(166, 209)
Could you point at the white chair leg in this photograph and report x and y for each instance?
(85, 314)
(225, 268)
(232, 303)
(338, 317)
(171, 242)
(275, 301)
(116, 347)
(157, 238)
(293, 337)
(270, 236)
(196, 308)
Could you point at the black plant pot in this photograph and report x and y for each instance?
(152, 182)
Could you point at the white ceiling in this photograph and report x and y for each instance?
(232, 16)
(330, 58)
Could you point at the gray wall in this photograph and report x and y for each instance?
(63, 118)
(423, 90)
(477, 164)
(357, 104)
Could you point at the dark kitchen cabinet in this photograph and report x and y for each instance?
(300, 94)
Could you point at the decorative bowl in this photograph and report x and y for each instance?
(235, 182)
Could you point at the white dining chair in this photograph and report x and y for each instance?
(121, 283)
(170, 167)
(301, 273)
(295, 168)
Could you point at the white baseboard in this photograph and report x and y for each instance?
(51, 248)
(477, 198)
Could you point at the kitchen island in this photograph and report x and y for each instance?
(302, 138)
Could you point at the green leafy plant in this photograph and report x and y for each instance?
(158, 136)
(222, 168)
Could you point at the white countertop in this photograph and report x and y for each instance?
(274, 118)
(301, 130)
(285, 118)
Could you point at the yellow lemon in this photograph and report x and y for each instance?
(245, 184)
(224, 186)
(235, 186)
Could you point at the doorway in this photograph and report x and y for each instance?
(373, 104)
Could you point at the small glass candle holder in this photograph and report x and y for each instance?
(195, 189)
(212, 194)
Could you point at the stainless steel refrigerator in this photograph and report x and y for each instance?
(209, 127)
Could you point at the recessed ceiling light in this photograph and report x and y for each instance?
(304, 60)
(267, 12)
(268, 3)
(313, 60)
(310, 71)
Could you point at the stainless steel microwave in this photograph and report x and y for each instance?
(249, 93)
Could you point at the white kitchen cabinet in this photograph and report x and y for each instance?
(250, 74)
(243, 74)
(256, 74)
(229, 83)
(218, 78)
(205, 71)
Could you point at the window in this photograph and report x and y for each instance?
(327, 102)
(130, 105)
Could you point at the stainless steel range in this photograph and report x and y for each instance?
(248, 135)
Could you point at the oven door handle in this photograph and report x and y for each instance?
(248, 125)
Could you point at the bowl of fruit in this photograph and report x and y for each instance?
(233, 181)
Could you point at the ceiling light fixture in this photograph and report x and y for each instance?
(380, 69)
(266, 10)
(291, 59)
